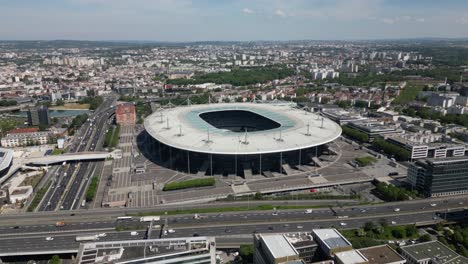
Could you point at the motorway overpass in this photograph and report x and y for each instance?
(79, 156)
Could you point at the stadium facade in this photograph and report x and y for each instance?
(240, 139)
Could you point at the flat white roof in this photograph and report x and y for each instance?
(351, 257)
(165, 125)
(278, 246)
(6, 157)
(331, 237)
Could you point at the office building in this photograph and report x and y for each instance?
(39, 116)
(439, 177)
(331, 241)
(427, 149)
(433, 252)
(190, 250)
(282, 248)
(125, 114)
(350, 257)
(382, 254)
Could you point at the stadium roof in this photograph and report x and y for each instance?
(183, 128)
(6, 157)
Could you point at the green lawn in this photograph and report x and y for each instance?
(92, 189)
(408, 94)
(231, 209)
(366, 161)
(38, 197)
(375, 233)
(207, 181)
(57, 152)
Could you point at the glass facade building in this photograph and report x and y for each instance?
(440, 177)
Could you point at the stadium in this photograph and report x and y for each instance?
(242, 139)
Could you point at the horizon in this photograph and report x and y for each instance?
(241, 20)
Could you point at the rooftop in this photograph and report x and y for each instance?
(332, 238)
(381, 254)
(434, 250)
(183, 128)
(278, 245)
(351, 257)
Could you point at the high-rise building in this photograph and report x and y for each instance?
(125, 114)
(39, 116)
(440, 177)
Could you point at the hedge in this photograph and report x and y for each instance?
(208, 181)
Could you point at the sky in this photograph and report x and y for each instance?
(231, 20)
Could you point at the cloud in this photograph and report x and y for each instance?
(247, 11)
(280, 13)
(421, 20)
(463, 20)
(389, 21)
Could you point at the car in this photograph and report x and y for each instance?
(49, 238)
(343, 224)
(72, 214)
(396, 210)
(433, 204)
(102, 235)
(274, 213)
(195, 234)
(299, 227)
(134, 233)
(460, 203)
(171, 231)
(286, 225)
(227, 230)
(270, 228)
(363, 210)
(308, 211)
(15, 227)
(393, 223)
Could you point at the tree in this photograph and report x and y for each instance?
(258, 196)
(369, 226)
(59, 102)
(246, 252)
(397, 233)
(425, 238)
(55, 260)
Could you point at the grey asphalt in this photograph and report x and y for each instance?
(36, 243)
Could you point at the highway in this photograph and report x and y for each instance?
(72, 179)
(102, 219)
(21, 244)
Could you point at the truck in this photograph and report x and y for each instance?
(86, 238)
(149, 218)
(59, 223)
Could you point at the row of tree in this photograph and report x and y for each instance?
(238, 77)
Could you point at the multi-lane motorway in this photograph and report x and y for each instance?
(214, 224)
(70, 180)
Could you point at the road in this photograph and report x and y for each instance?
(72, 179)
(39, 223)
(21, 244)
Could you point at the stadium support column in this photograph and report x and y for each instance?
(300, 156)
(281, 162)
(170, 157)
(188, 162)
(260, 163)
(211, 164)
(159, 149)
(235, 164)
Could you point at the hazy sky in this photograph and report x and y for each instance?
(191, 20)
